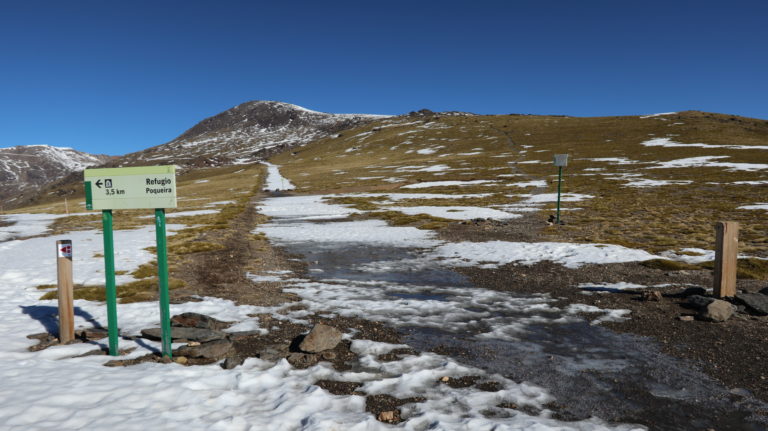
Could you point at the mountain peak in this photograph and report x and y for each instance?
(247, 132)
(26, 168)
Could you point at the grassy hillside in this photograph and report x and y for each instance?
(208, 201)
(514, 149)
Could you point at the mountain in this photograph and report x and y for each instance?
(25, 169)
(247, 132)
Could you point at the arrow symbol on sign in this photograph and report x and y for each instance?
(98, 183)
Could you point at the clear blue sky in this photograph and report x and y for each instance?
(116, 77)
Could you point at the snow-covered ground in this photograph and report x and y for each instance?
(669, 143)
(488, 315)
(26, 225)
(275, 181)
(53, 389)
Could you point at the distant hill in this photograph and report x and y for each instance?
(24, 170)
(246, 133)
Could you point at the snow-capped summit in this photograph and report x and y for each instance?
(247, 132)
(26, 168)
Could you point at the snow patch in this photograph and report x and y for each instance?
(495, 253)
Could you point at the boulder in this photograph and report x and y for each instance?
(197, 320)
(216, 349)
(717, 311)
(755, 302)
(698, 301)
(232, 361)
(321, 337)
(302, 360)
(185, 334)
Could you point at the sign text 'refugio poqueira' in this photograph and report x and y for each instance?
(127, 188)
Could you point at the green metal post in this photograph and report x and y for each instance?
(162, 273)
(109, 273)
(559, 181)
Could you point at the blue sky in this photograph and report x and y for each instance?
(116, 77)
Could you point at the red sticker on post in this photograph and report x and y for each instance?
(65, 250)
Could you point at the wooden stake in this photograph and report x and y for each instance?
(726, 252)
(66, 286)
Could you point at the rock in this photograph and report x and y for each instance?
(651, 295)
(694, 291)
(685, 318)
(302, 360)
(216, 349)
(46, 340)
(698, 301)
(391, 416)
(243, 335)
(717, 311)
(764, 291)
(328, 356)
(755, 302)
(181, 360)
(197, 320)
(185, 334)
(92, 333)
(273, 354)
(232, 361)
(321, 337)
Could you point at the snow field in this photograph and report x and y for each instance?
(52, 390)
(474, 312)
(455, 212)
(708, 162)
(275, 181)
(492, 254)
(374, 231)
(429, 184)
(26, 225)
(758, 206)
(669, 143)
(312, 207)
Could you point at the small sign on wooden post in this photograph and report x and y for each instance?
(65, 290)
(561, 161)
(726, 255)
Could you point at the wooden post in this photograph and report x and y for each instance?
(726, 252)
(66, 286)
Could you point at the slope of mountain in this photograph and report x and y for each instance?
(246, 133)
(26, 169)
(655, 182)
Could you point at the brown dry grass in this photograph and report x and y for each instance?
(655, 218)
(196, 191)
